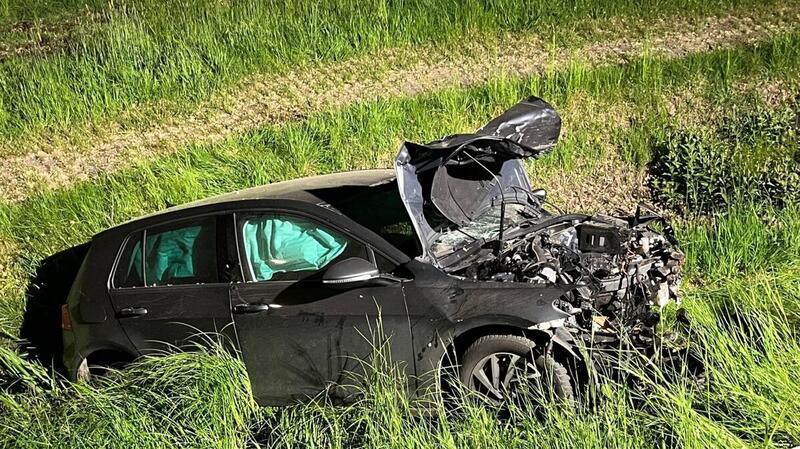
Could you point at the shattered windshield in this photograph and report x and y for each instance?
(485, 227)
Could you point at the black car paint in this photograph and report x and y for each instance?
(298, 337)
(295, 350)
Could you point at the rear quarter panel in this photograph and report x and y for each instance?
(94, 326)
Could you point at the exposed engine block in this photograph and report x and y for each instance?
(618, 271)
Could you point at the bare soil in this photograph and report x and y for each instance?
(48, 163)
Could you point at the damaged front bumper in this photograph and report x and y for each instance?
(477, 218)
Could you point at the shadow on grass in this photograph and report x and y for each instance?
(40, 334)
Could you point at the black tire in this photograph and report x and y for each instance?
(555, 377)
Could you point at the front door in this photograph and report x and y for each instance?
(166, 288)
(299, 337)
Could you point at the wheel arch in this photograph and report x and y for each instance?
(558, 343)
(103, 355)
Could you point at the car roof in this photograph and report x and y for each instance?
(300, 189)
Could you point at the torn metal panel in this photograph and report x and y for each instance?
(452, 182)
(532, 123)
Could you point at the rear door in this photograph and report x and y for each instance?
(169, 286)
(299, 337)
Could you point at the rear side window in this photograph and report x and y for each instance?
(175, 254)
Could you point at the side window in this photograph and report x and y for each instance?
(182, 253)
(129, 272)
(281, 247)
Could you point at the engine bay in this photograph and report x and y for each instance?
(617, 272)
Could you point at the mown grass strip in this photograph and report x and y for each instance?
(52, 163)
(177, 53)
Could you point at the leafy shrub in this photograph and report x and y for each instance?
(749, 158)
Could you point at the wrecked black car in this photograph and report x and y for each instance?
(452, 254)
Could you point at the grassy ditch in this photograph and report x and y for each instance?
(642, 99)
(741, 289)
(749, 345)
(146, 59)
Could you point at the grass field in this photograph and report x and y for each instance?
(106, 58)
(711, 137)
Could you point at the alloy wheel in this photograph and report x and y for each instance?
(501, 374)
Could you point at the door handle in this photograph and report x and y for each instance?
(128, 312)
(250, 308)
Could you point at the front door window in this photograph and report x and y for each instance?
(280, 247)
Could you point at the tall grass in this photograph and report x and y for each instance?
(130, 54)
(749, 336)
(202, 399)
(14, 11)
(750, 239)
(198, 399)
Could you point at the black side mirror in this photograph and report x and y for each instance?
(349, 272)
(541, 194)
(354, 272)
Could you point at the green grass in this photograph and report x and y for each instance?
(743, 273)
(369, 134)
(200, 399)
(14, 11)
(157, 58)
(754, 156)
(752, 240)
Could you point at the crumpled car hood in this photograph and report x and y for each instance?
(451, 182)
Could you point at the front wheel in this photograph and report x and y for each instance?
(502, 367)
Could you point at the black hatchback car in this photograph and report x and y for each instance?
(452, 251)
